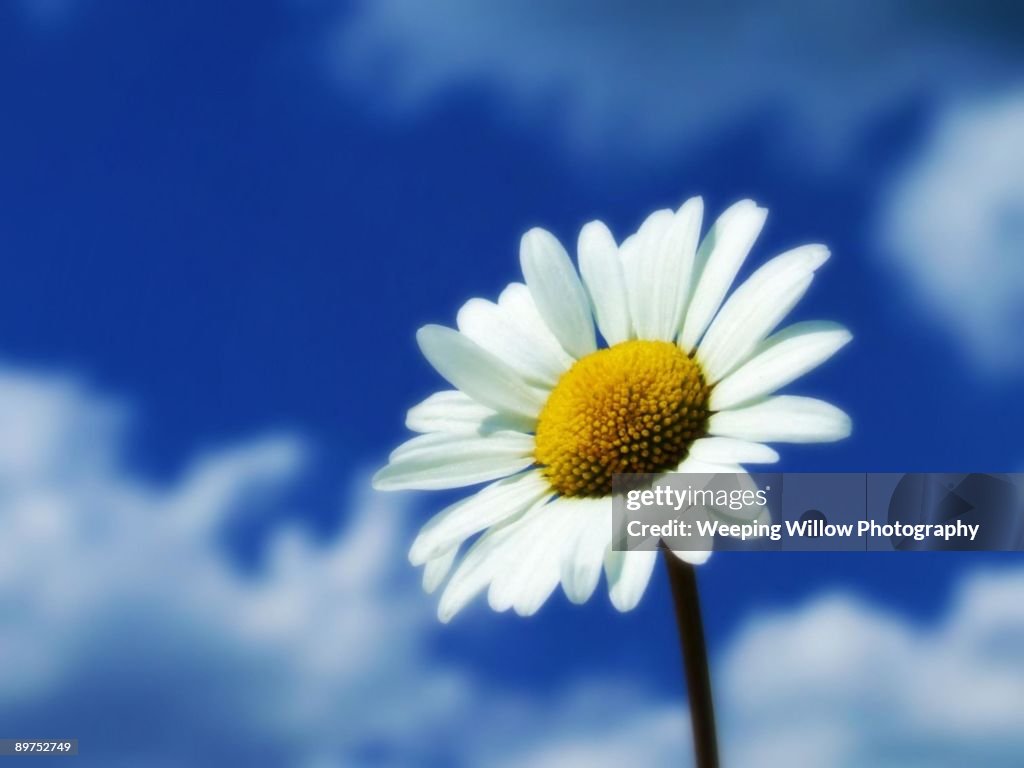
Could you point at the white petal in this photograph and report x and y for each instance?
(484, 559)
(436, 461)
(718, 261)
(477, 372)
(457, 413)
(437, 569)
(601, 269)
(493, 329)
(741, 481)
(706, 469)
(581, 567)
(490, 506)
(728, 450)
(528, 578)
(693, 465)
(627, 248)
(628, 574)
(782, 358)
(663, 270)
(455, 445)
(636, 251)
(695, 516)
(557, 291)
(535, 594)
(692, 556)
(785, 419)
(517, 302)
(756, 308)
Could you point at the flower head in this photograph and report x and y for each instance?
(684, 381)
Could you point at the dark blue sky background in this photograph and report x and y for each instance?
(195, 215)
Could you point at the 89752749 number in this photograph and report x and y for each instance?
(38, 746)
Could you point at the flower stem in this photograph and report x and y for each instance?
(683, 578)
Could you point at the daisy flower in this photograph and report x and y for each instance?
(547, 414)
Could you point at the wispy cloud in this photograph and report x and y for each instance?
(953, 224)
(645, 78)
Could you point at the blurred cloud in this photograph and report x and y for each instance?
(953, 224)
(124, 620)
(840, 683)
(115, 590)
(645, 78)
(126, 624)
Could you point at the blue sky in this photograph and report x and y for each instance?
(229, 220)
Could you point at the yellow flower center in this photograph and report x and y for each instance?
(633, 408)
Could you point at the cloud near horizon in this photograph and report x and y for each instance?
(125, 620)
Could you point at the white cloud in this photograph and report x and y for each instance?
(101, 572)
(116, 600)
(839, 683)
(643, 78)
(953, 224)
(847, 685)
(115, 590)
